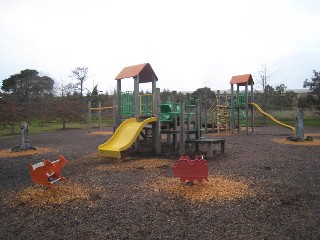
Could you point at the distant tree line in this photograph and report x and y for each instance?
(29, 95)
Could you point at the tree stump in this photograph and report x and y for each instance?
(25, 143)
(299, 125)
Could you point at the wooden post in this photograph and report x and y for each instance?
(238, 108)
(182, 128)
(118, 110)
(198, 119)
(226, 110)
(232, 111)
(252, 116)
(218, 111)
(247, 108)
(154, 85)
(136, 101)
(99, 115)
(136, 106)
(205, 108)
(114, 112)
(188, 111)
(168, 124)
(89, 116)
(175, 119)
(198, 122)
(156, 129)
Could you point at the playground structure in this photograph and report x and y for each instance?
(191, 170)
(181, 121)
(248, 101)
(238, 103)
(127, 133)
(47, 173)
(144, 110)
(231, 111)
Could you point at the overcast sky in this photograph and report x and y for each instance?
(189, 44)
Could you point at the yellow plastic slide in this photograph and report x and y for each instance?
(271, 117)
(124, 137)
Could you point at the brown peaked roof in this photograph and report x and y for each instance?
(242, 80)
(144, 71)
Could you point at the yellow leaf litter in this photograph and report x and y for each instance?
(136, 164)
(315, 142)
(219, 188)
(59, 194)
(8, 153)
(101, 133)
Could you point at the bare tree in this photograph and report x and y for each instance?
(264, 77)
(81, 74)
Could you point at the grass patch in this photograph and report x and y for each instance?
(36, 126)
(287, 117)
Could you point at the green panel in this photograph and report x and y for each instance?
(146, 104)
(127, 102)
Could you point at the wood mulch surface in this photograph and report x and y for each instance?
(262, 188)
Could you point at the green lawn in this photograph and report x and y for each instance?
(287, 117)
(36, 126)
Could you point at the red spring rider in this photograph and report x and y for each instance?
(191, 170)
(46, 172)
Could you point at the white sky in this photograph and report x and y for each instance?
(189, 44)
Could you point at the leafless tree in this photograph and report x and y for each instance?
(264, 76)
(81, 74)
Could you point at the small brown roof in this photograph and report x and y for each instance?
(242, 80)
(144, 71)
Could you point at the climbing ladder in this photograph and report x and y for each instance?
(218, 115)
(222, 118)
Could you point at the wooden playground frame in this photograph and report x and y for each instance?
(176, 136)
